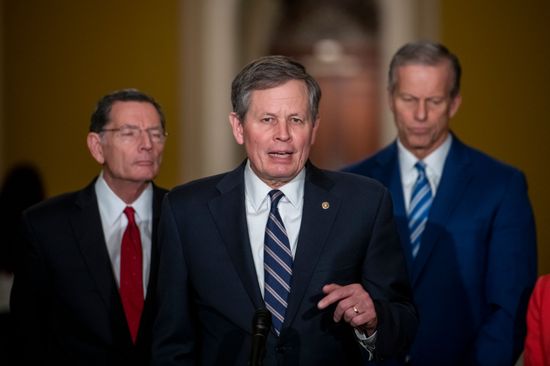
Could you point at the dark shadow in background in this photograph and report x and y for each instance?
(22, 187)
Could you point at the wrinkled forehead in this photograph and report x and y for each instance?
(134, 113)
(422, 75)
(293, 93)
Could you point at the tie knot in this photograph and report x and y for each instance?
(420, 167)
(129, 212)
(275, 196)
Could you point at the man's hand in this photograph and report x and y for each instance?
(354, 305)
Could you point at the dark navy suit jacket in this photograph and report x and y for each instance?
(476, 265)
(208, 289)
(65, 299)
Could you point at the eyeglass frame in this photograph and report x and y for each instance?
(162, 137)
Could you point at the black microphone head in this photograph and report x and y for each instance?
(261, 323)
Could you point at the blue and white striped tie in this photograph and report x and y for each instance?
(277, 264)
(421, 201)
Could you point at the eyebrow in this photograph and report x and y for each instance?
(404, 94)
(129, 125)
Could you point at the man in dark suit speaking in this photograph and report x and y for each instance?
(318, 249)
(465, 220)
(82, 294)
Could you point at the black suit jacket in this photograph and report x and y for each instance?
(65, 300)
(208, 290)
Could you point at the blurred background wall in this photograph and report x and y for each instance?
(58, 57)
(504, 47)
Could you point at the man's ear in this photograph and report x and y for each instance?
(389, 96)
(236, 127)
(455, 103)
(315, 128)
(96, 148)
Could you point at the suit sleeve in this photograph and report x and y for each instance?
(385, 278)
(173, 331)
(511, 273)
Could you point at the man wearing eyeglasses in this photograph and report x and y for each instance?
(83, 291)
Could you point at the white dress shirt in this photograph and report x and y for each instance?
(258, 205)
(114, 222)
(434, 168)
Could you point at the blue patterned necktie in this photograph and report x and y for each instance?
(277, 264)
(419, 209)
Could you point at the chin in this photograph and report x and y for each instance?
(149, 172)
(419, 142)
(144, 177)
(281, 174)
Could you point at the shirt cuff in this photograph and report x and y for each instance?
(367, 342)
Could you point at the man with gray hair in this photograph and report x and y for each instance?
(317, 249)
(464, 218)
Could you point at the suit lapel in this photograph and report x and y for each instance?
(158, 195)
(314, 229)
(453, 184)
(229, 213)
(87, 227)
(388, 173)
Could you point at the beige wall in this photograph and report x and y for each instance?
(60, 56)
(504, 47)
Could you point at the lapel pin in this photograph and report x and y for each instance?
(325, 205)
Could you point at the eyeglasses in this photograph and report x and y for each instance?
(132, 134)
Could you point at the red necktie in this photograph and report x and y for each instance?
(131, 278)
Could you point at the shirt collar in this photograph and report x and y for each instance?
(256, 190)
(434, 162)
(114, 206)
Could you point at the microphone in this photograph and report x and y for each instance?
(261, 323)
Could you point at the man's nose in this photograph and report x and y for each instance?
(421, 112)
(283, 131)
(145, 140)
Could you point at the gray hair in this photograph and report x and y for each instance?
(424, 53)
(269, 72)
